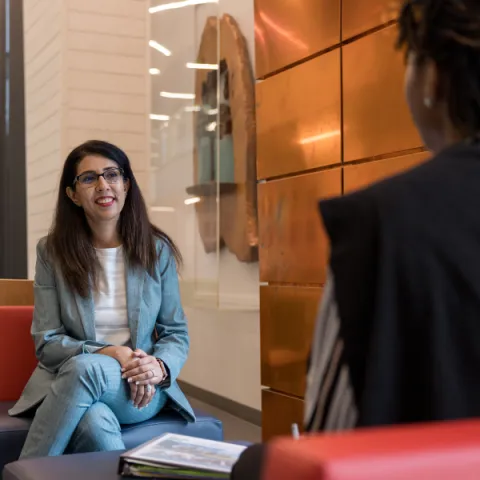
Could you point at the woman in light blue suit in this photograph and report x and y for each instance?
(109, 329)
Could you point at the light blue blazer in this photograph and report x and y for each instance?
(64, 325)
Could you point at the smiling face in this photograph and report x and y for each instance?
(101, 200)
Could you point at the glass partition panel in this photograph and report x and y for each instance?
(203, 149)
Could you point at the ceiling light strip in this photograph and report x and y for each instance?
(175, 5)
(164, 118)
(182, 96)
(202, 66)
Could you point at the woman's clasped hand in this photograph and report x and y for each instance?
(143, 372)
(140, 370)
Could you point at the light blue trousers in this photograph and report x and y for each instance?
(84, 409)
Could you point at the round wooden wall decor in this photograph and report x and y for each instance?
(233, 107)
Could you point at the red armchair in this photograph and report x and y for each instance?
(17, 362)
(17, 352)
(443, 451)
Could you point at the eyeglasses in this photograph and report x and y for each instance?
(89, 179)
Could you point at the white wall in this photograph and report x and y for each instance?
(43, 106)
(225, 342)
(86, 76)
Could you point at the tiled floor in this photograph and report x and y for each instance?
(235, 429)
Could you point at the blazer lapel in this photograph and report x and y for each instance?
(135, 279)
(86, 312)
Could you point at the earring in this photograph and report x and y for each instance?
(428, 102)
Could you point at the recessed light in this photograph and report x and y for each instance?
(160, 48)
(183, 96)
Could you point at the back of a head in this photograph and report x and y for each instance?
(447, 34)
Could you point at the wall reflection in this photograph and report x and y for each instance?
(320, 137)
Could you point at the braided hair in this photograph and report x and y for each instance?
(447, 32)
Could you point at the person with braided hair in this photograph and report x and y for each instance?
(397, 335)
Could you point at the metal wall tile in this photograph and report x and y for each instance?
(278, 413)
(293, 245)
(360, 176)
(287, 319)
(376, 116)
(286, 32)
(298, 118)
(361, 16)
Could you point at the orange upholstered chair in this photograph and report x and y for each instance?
(443, 451)
(17, 353)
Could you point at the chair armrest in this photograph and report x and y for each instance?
(439, 451)
(17, 352)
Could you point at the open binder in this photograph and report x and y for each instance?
(180, 457)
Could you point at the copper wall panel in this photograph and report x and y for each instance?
(298, 118)
(359, 176)
(286, 31)
(376, 117)
(360, 16)
(287, 320)
(278, 413)
(293, 245)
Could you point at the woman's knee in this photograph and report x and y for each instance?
(98, 418)
(87, 364)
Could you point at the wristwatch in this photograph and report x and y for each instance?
(163, 369)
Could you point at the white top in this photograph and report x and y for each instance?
(111, 319)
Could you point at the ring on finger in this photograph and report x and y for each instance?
(149, 388)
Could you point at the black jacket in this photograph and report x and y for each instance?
(406, 262)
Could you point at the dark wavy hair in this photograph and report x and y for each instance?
(69, 241)
(447, 32)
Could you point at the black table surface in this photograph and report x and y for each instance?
(84, 466)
